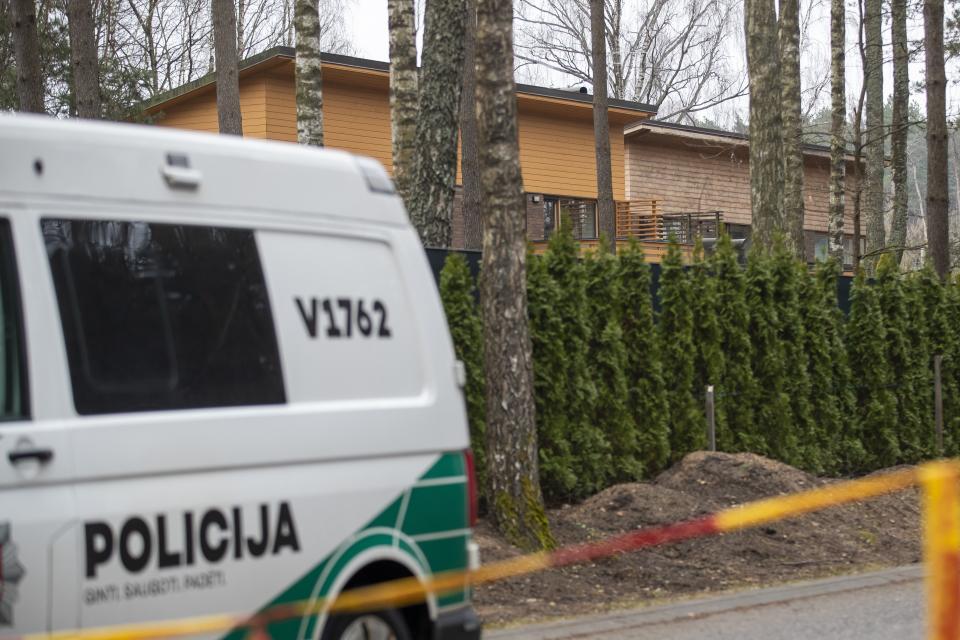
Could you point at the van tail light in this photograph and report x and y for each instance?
(471, 485)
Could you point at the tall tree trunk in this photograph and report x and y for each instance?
(606, 210)
(228, 73)
(899, 126)
(516, 503)
(403, 94)
(83, 57)
(792, 125)
(873, 79)
(441, 81)
(937, 191)
(469, 158)
(26, 47)
(838, 119)
(309, 73)
(766, 142)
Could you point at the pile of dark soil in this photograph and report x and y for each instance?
(881, 532)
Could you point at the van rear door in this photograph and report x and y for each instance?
(36, 542)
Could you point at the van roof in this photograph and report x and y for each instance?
(51, 158)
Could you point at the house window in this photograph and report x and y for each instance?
(821, 249)
(580, 216)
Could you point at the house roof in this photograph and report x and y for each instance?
(707, 135)
(280, 55)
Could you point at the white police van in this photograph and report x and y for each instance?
(226, 383)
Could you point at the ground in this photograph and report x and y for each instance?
(878, 533)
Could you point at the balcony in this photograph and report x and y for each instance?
(642, 220)
(646, 221)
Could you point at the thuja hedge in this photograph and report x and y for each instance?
(619, 389)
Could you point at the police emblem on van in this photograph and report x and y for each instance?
(11, 571)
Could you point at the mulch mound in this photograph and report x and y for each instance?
(881, 532)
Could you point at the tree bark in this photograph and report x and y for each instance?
(516, 503)
(469, 158)
(228, 73)
(309, 73)
(899, 126)
(792, 125)
(873, 79)
(838, 119)
(26, 48)
(937, 191)
(606, 209)
(83, 57)
(766, 142)
(441, 81)
(404, 98)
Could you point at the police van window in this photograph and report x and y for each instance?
(13, 379)
(160, 316)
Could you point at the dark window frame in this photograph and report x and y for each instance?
(11, 290)
(171, 311)
(557, 202)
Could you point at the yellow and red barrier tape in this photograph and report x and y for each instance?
(941, 548)
(398, 593)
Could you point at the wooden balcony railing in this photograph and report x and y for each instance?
(646, 221)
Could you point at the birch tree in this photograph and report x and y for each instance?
(228, 72)
(874, 157)
(766, 142)
(27, 52)
(937, 189)
(838, 142)
(404, 95)
(469, 158)
(83, 58)
(606, 210)
(899, 125)
(309, 73)
(789, 38)
(516, 503)
(441, 81)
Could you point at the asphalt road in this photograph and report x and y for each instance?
(884, 605)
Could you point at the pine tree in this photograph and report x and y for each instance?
(736, 392)
(646, 395)
(905, 380)
(851, 454)
(687, 424)
(773, 413)
(829, 375)
(607, 357)
(876, 404)
(587, 441)
(708, 368)
(936, 300)
(458, 294)
(788, 276)
(950, 372)
(921, 357)
(558, 478)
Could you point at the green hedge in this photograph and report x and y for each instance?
(620, 390)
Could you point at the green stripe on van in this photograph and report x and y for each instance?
(443, 533)
(436, 508)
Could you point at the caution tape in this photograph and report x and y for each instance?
(406, 591)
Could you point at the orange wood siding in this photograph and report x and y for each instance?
(355, 118)
(557, 155)
(199, 113)
(556, 136)
(686, 175)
